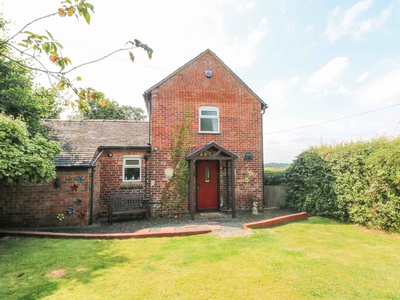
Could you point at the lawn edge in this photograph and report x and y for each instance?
(138, 234)
(276, 221)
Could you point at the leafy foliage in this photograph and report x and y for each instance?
(25, 155)
(20, 98)
(29, 47)
(356, 182)
(309, 182)
(176, 189)
(274, 177)
(22, 157)
(111, 110)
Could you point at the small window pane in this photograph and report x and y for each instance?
(132, 174)
(209, 125)
(207, 174)
(132, 162)
(209, 113)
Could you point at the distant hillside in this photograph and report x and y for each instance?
(282, 166)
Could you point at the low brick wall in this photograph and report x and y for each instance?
(26, 205)
(277, 221)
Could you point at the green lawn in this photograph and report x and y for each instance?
(314, 259)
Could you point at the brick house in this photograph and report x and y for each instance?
(105, 157)
(226, 162)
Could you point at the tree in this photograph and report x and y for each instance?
(29, 46)
(19, 97)
(110, 110)
(24, 153)
(24, 157)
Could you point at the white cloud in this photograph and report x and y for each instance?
(290, 28)
(383, 91)
(309, 28)
(362, 77)
(343, 90)
(283, 9)
(349, 23)
(275, 92)
(242, 51)
(328, 76)
(241, 8)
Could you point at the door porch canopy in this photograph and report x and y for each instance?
(212, 151)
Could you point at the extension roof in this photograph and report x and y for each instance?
(80, 140)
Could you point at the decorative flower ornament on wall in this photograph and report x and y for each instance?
(247, 179)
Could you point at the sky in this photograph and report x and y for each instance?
(328, 70)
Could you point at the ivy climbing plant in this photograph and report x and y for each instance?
(177, 188)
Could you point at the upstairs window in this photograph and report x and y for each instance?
(132, 169)
(209, 120)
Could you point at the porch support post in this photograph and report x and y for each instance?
(233, 189)
(191, 189)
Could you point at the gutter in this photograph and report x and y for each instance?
(102, 148)
(92, 165)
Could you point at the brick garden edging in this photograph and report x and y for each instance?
(276, 221)
(165, 232)
(159, 232)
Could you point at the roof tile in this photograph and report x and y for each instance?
(81, 139)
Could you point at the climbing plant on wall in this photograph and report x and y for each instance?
(176, 189)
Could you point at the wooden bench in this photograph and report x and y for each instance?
(128, 204)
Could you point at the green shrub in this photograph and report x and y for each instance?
(357, 182)
(309, 184)
(274, 177)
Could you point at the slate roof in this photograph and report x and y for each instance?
(81, 139)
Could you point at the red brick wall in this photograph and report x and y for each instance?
(110, 172)
(240, 122)
(38, 205)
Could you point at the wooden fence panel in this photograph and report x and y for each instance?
(275, 196)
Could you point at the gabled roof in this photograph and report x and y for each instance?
(148, 92)
(211, 151)
(81, 139)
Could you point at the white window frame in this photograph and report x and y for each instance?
(208, 108)
(124, 166)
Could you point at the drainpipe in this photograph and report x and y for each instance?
(264, 107)
(148, 176)
(92, 187)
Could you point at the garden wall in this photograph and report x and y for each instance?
(38, 205)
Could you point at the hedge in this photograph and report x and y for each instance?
(356, 182)
(274, 177)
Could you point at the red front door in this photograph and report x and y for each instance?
(207, 185)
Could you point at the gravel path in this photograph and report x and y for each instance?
(225, 225)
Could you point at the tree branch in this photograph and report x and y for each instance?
(97, 60)
(30, 23)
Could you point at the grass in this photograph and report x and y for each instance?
(314, 259)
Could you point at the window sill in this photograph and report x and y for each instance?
(208, 132)
(131, 185)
